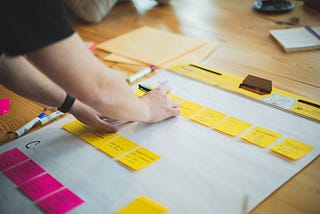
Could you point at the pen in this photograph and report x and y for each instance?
(144, 88)
(205, 69)
(29, 125)
(140, 74)
(50, 117)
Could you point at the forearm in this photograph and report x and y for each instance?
(18, 75)
(81, 74)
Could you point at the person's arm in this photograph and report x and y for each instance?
(18, 75)
(80, 73)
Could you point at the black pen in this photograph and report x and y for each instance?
(144, 88)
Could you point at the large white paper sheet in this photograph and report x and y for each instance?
(200, 170)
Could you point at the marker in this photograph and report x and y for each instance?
(144, 88)
(140, 74)
(29, 125)
(50, 117)
(205, 69)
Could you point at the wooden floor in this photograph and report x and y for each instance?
(245, 48)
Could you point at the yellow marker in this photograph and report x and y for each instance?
(95, 138)
(76, 128)
(139, 93)
(188, 108)
(208, 117)
(292, 148)
(143, 205)
(261, 137)
(232, 126)
(117, 146)
(138, 158)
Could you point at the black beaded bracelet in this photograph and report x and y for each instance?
(67, 104)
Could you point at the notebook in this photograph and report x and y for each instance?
(298, 39)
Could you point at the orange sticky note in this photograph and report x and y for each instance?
(292, 148)
(232, 126)
(138, 158)
(208, 117)
(117, 146)
(143, 205)
(261, 137)
(188, 108)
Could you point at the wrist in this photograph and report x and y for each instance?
(67, 104)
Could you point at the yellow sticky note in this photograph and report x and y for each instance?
(232, 126)
(117, 146)
(174, 97)
(292, 148)
(76, 128)
(208, 117)
(188, 108)
(143, 205)
(95, 138)
(139, 93)
(138, 158)
(261, 137)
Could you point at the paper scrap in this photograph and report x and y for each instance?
(60, 202)
(188, 108)
(117, 146)
(76, 128)
(208, 117)
(40, 186)
(95, 138)
(150, 46)
(143, 205)
(11, 158)
(261, 137)
(23, 172)
(232, 126)
(138, 159)
(292, 148)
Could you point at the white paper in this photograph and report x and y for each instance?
(200, 170)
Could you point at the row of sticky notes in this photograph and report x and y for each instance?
(290, 148)
(126, 152)
(48, 193)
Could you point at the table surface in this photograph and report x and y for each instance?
(245, 48)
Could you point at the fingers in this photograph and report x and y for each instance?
(164, 88)
(105, 126)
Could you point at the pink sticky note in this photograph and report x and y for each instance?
(40, 186)
(23, 172)
(60, 202)
(4, 105)
(11, 158)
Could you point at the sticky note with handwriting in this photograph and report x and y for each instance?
(208, 117)
(95, 138)
(117, 146)
(23, 172)
(60, 202)
(232, 126)
(261, 137)
(76, 128)
(40, 186)
(138, 159)
(292, 149)
(143, 205)
(188, 108)
(11, 158)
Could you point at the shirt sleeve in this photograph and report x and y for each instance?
(31, 24)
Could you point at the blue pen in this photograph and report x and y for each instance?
(22, 130)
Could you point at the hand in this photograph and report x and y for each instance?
(91, 117)
(160, 105)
